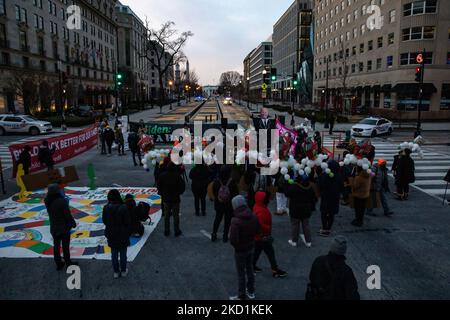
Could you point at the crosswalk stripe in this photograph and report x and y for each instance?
(431, 182)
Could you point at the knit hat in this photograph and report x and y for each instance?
(238, 201)
(339, 246)
(381, 162)
(53, 189)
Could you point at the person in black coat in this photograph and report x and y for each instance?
(223, 207)
(118, 230)
(394, 170)
(25, 159)
(136, 216)
(200, 176)
(405, 174)
(330, 277)
(45, 155)
(331, 189)
(61, 223)
(110, 137)
(171, 186)
(133, 144)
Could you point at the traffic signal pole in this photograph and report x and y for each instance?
(419, 111)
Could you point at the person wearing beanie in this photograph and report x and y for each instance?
(380, 186)
(330, 277)
(360, 195)
(243, 230)
(61, 223)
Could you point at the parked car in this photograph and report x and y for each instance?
(372, 127)
(228, 101)
(12, 123)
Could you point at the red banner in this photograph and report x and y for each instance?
(66, 147)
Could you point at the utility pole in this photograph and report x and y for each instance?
(292, 93)
(327, 123)
(421, 60)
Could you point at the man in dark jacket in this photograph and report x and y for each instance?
(243, 230)
(25, 159)
(171, 186)
(109, 138)
(133, 143)
(330, 277)
(45, 155)
(200, 177)
(61, 222)
(405, 174)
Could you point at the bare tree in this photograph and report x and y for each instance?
(163, 49)
(26, 86)
(191, 79)
(230, 79)
(344, 61)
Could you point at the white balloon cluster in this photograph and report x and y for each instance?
(305, 167)
(414, 147)
(352, 159)
(305, 126)
(154, 156)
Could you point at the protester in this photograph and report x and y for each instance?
(224, 190)
(117, 223)
(264, 239)
(280, 195)
(109, 138)
(101, 133)
(200, 177)
(25, 159)
(171, 186)
(244, 227)
(119, 139)
(45, 155)
(380, 184)
(61, 223)
(360, 195)
(138, 214)
(330, 189)
(332, 121)
(302, 202)
(133, 144)
(394, 170)
(318, 140)
(313, 121)
(347, 175)
(330, 277)
(405, 174)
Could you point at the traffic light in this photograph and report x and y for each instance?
(119, 80)
(273, 74)
(295, 80)
(419, 74)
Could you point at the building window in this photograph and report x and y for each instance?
(419, 7)
(363, 29)
(391, 16)
(2, 7)
(379, 63)
(370, 45)
(380, 42)
(391, 38)
(353, 68)
(41, 46)
(361, 48)
(418, 33)
(410, 58)
(26, 62)
(361, 67)
(38, 22)
(448, 57)
(389, 61)
(21, 14)
(43, 65)
(23, 41)
(353, 50)
(369, 65)
(38, 3)
(445, 96)
(3, 40)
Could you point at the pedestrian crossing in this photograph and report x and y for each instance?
(5, 157)
(430, 170)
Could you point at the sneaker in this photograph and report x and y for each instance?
(292, 243)
(302, 236)
(250, 296)
(308, 244)
(125, 273)
(236, 298)
(257, 269)
(116, 275)
(324, 233)
(279, 273)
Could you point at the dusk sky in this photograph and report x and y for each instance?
(224, 30)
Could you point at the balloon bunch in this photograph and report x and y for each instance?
(414, 147)
(305, 167)
(305, 126)
(153, 157)
(364, 163)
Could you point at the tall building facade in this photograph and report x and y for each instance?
(260, 61)
(291, 39)
(44, 62)
(372, 63)
(132, 36)
(246, 76)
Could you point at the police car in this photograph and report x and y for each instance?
(372, 127)
(10, 123)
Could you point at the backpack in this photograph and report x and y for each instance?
(224, 193)
(319, 293)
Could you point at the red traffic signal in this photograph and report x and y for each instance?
(419, 74)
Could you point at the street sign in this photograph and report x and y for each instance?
(264, 95)
(264, 86)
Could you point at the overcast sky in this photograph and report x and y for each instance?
(224, 30)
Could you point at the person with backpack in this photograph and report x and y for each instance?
(133, 144)
(330, 277)
(45, 155)
(117, 223)
(109, 138)
(138, 214)
(224, 190)
(171, 186)
(200, 177)
(243, 230)
(264, 239)
(302, 202)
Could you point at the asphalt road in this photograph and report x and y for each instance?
(411, 248)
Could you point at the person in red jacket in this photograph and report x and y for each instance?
(264, 239)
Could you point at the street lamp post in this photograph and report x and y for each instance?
(248, 92)
(264, 81)
(170, 93)
(327, 123)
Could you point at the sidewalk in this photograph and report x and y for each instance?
(155, 112)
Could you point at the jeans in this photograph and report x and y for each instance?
(267, 247)
(281, 202)
(220, 214)
(296, 225)
(327, 220)
(138, 153)
(121, 148)
(246, 277)
(384, 203)
(171, 209)
(115, 253)
(200, 199)
(360, 208)
(65, 240)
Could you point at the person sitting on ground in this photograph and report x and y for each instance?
(330, 277)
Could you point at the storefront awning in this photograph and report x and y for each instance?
(413, 88)
(366, 88)
(386, 87)
(376, 88)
